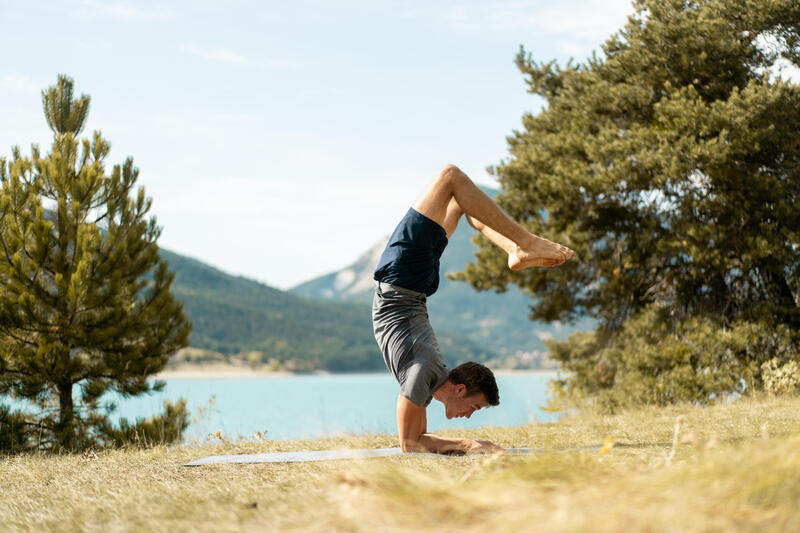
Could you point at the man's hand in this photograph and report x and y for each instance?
(484, 446)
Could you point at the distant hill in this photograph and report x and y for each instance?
(236, 315)
(352, 283)
(496, 322)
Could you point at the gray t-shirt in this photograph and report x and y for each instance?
(421, 379)
(409, 347)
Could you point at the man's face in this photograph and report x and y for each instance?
(461, 405)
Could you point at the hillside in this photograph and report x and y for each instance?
(235, 315)
(496, 322)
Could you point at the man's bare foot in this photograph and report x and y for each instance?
(539, 253)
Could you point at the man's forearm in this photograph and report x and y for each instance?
(428, 442)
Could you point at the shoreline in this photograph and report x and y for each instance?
(232, 373)
(226, 372)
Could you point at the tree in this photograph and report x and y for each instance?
(671, 164)
(85, 302)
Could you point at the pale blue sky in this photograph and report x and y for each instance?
(279, 140)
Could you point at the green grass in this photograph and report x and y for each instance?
(736, 468)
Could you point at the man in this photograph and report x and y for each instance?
(407, 273)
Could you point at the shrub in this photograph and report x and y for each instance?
(659, 361)
(780, 378)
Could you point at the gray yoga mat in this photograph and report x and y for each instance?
(320, 455)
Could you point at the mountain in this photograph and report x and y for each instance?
(352, 283)
(235, 315)
(496, 322)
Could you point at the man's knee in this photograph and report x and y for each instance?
(452, 174)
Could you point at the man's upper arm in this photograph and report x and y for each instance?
(411, 422)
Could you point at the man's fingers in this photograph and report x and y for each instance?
(485, 446)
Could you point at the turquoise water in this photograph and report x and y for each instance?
(317, 406)
(320, 405)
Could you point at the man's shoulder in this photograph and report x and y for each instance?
(421, 379)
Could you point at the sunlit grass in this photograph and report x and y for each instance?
(735, 469)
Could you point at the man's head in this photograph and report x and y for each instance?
(472, 386)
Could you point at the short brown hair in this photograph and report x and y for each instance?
(478, 379)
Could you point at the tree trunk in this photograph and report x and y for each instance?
(65, 429)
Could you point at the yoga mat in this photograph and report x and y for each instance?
(320, 455)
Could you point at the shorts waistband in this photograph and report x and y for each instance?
(382, 286)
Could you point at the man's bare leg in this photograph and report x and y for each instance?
(451, 217)
(523, 248)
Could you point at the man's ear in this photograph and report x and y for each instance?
(461, 390)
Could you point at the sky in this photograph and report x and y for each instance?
(280, 140)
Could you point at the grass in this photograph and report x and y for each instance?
(735, 469)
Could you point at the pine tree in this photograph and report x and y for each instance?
(85, 302)
(671, 164)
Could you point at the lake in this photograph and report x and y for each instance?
(307, 406)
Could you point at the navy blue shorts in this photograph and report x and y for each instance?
(411, 258)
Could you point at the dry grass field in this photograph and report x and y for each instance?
(734, 467)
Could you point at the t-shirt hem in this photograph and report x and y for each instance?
(415, 403)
